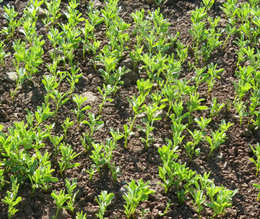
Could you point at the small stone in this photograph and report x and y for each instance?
(91, 98)
(97, 4)
(11, 77)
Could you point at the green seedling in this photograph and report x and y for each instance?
(193, 104)
(104, 199)
(256, 161)
(40, 171)
(3, 54)
(208, 4)
(152, 116)
(202, 123)
(66, 125)
(171, 172)
(80, 110)
(218, 137)
(81, 215)
(116, 135)
(94, 48)
(60, 199)
(93, 123)
(127, 132)
(107, 91)
(240, 107)
(43, 113)
(11, 198)
(94, 15)
(70, 187)
(257, 186)
(177, 129)
(102, 155)
(56, 39)
(199, 199)
(220, 199)
(215, 107)
(50, 84)
(56, 141)
(67, 156)
(213, 74)
(10, 15)
(200, 76)
(88, 35)
(110, 11)
(21, 77)
(59, 98)
(73, 78)
(72, 14)
(134, 195)
(53, 8)
(190, 146)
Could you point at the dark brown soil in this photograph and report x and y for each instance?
(229, 166)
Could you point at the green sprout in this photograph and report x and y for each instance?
(11, 198)
(134, 195)
(104, 199)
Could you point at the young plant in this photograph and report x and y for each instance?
(220, 199)
(59, 98)
(67, 157)
(213, 74)
(21, 77)
(144, 87)
(193, 104)
(256, 161)
(53, 8)
(79, 111)
(104, 199)
(202, 123)
(134, 195)
(56, 140)
(11, 198)
(200, 76)
(171, 172)
(81, 215)
(10, 15)
(208, 4)
(240, 107)
(257, 186)
(40, 171)
(107, 90)
(215, 107)
(88, 34)
(102, 155)
(199, 199)
(190, 146)
(218, 137)
(116, 135)
(43, 113)
(3, 54)
(152, 116)
(71, 186)
(66, 125)
(60, 199)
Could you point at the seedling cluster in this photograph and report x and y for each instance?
(35, 154)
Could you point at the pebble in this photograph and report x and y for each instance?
(91, 98)
(11, 77)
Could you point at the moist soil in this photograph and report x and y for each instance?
(229, 166)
